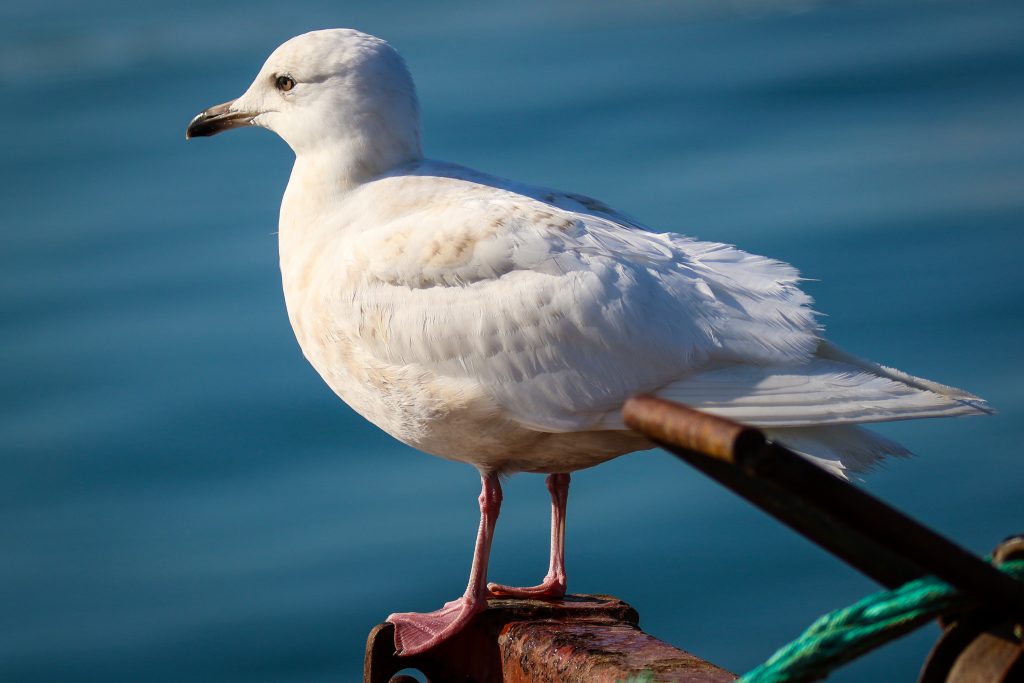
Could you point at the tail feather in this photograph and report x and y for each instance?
(840, 449)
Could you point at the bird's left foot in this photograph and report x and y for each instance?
(550, 587)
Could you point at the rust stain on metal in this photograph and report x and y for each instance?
(679, 425)
(550, 652)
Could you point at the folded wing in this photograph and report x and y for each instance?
(561, 315)
(559, 309)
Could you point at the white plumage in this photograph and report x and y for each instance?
(505, 325)
(542, 311)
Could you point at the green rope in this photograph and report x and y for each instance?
(845, 634)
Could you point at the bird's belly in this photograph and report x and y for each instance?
(396, 399)
(451, 418)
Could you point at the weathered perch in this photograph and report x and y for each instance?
(580, 639)
(861, 530)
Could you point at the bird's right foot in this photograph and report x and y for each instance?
(416, 632)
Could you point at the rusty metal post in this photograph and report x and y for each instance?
(875, 538)
(981, 646)
(579, 639)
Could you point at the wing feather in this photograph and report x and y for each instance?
(559, 309)
(561, 315)
(818, 392)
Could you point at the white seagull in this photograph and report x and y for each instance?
(504, 325)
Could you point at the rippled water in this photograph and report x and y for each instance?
(181, 499)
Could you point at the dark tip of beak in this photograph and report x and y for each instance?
(216, 120)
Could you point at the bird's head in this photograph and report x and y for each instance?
(336, 90)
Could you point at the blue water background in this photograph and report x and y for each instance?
(182, 499)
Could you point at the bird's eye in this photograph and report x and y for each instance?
(284, 83)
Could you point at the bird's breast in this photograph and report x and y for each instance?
(449, 417)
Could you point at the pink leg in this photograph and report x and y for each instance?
(553, 585)
(416, 633)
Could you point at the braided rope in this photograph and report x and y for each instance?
(845, 634)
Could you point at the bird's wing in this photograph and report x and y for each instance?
(558, 314)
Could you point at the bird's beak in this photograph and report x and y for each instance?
(217, 119)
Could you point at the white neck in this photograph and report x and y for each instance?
(321, 178)
(319, 182)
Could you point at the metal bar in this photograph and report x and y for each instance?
(597, 652)
(877, 539)
(578, 639)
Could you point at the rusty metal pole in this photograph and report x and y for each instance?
(578, 639)
(875, 538)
